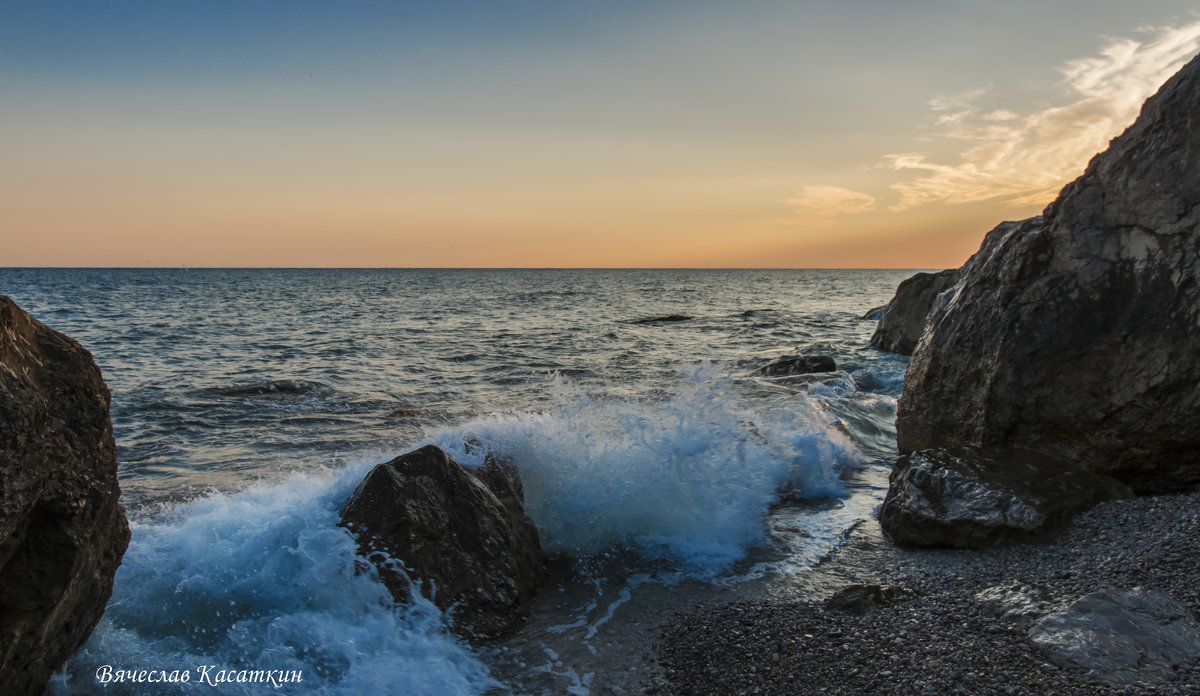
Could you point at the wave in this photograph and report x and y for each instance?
(689, 479)
(265, 580)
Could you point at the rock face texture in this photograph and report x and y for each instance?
(462, 534)
(1077, 333)
(1120, 636)
(62, 527)
(903, 319)
(968, 498)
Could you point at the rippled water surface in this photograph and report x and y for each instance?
(248, 403)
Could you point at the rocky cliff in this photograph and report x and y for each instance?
(1077, 333)
(62, 527)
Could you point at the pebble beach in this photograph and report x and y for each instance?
(940, 634)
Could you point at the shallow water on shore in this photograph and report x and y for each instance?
(248, 403)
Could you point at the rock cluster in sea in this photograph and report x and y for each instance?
(62, 526)
(1074, 334)
(462, 537)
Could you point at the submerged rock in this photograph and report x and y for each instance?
(662, 319)
(904, 318)
(971, 498)
(462, 534)
(1077, 333)
(800, 365)
(62, 526)
(1120, 636)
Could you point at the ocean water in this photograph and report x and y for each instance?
(247, 405)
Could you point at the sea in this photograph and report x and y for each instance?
(247, 404)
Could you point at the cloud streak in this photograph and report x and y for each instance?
(824, 203)
(1025, 158)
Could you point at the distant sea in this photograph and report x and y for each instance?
(247, 405)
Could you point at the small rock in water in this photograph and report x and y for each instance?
(661, 319)
(799, 365)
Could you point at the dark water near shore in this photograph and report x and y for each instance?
(248, 403)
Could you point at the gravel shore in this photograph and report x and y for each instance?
(941, 638)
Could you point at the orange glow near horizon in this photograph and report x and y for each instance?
(617, 149)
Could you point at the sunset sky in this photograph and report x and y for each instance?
(862, 133)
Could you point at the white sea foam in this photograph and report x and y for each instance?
(689, 479)
(265, 580)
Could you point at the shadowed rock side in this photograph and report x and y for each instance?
(463, 534)
(1077, 333)
(967, 498)
(902, 320)
(62, 527)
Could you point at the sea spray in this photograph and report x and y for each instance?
(687, 479)
(264, 581)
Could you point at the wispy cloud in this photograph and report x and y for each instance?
(824, 203)
(1026, 157)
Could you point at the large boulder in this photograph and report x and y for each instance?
(903, 319)
(968, 498)
(62, 527)
(461, 533)
(1077, 333)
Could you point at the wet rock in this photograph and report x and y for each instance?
(972, 498)
(662, 319)
(874, 314)
(1120, 636)
(800, 365)
(62, 527)
(860, 599)
(904, 318)
(463, 535)
(1077, 333)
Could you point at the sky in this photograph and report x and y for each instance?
(801, 134)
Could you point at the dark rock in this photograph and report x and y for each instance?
(62, 526)
(904, 318)
(752, 312)
(1077, 333)
(875, 313)
(971, 498)
(1120, 636)
(462, 533)
(664, 318)
(799, 365)
(860, 599)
